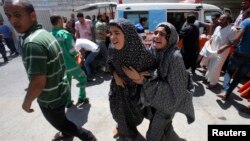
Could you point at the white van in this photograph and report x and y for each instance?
(174, 13)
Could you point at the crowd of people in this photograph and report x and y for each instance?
(152, 83)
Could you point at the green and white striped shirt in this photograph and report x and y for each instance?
(42, 55)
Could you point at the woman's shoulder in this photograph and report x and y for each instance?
(175, 53)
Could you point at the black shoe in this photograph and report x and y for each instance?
(60, 136)
(91, 79)
(87, 135)
(82, 101)
(5, 59)
(68, 105)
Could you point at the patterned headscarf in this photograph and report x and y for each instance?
(132, 40)
(173, 37)
(133, 53)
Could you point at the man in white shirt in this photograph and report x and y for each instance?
(223, 35)
(83, 45)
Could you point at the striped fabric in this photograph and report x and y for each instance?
(42, 56)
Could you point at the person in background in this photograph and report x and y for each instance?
(2, 49)
(100, 39)
(190, 49)
(205, 31)
(93, 26)
(82, 46)
(245, 5)
(93, 19)
(202, 58)
(66, 42)
(169, 89)
(83, 27)
(7, 35)
(228, 12)
(207, 27)
(215, 21)
(87, 17)
(239, 63)
(70, 29)
(223, 35)
(73, 21)
(64, 21)
(126, 50)
(43, 60)
(140, 27)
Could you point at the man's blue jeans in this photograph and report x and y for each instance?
(87, 63)
(238, 67)
(103, 54)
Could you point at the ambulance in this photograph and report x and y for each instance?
(174, 13)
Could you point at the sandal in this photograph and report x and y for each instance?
(60, 136)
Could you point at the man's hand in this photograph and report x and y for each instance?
(27, 107)
(36, 85)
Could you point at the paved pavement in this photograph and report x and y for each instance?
(17, 125)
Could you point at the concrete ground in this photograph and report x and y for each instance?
(17, 125)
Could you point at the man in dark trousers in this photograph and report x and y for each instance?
(190, 36)
(43, 60)
(239, 63)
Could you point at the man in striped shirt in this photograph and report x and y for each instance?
(44, 64)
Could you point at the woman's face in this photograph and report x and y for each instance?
(159, 38)
(117, 37)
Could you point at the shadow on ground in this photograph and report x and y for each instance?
(199, 88)
(100, 77)
(232, 101)
(78, 115)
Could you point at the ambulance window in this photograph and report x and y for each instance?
(178, 18)
(134, 17)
